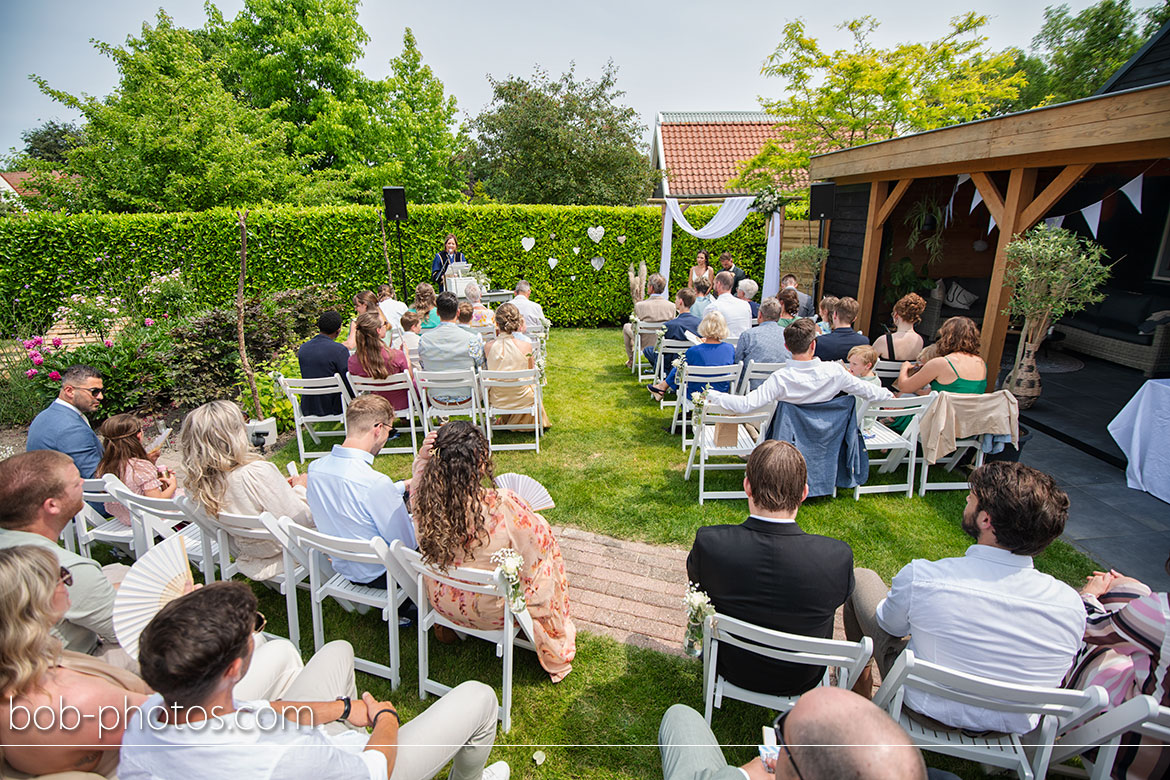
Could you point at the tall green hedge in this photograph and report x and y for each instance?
(44, 258)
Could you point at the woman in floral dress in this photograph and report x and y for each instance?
(461, 522)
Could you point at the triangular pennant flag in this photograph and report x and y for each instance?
(951, 203)
(1092, 215)
(976, 200)
(990, 225)
(1133, 191)
(1054, 222)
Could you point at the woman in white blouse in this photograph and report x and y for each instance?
(226, 474)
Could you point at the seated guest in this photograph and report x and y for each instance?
(463, 521)
(805, 379)
(737, 273)
(1125, 652)
(736, 312)
(126, 459)
(904, 343)
(374, 361)
(989, 613)
(829, 734)
(392, 308)
(224, 473)
(198, 646)
(424, 304)
(89, 701)
(63, 425)
(322, 356)
(804, 300)
(765, 342)
(958, 367)
(702, 299)
(678, 328)
(770, 573)
(789, 306)
(450, 348)
(464, 315)
(656, 309)
(835, 344)
(713, 351)
(481, 316)
(825, 312)
(530, 310)
(352, 500)
(40, 492)
(411, 333)
(860, 363)
(506, 353)
(747, 292)
(365, 302)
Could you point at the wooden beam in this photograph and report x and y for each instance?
(892, 201)
(870, 254)
(1056, 190)
(1021, 185)
(990, 193)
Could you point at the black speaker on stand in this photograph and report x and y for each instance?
(394, 203)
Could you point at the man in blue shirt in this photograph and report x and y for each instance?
(63, 425)
(835, 344)
(320, 357)
(765, 342)
(352, 500)
(678, 328)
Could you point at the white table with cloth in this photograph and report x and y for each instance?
(1142, 430)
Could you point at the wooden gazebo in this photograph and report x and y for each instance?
(1022, 165)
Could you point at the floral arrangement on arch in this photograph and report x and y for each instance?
(770, 200)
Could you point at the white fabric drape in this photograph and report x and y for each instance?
(771, 284)
(729, 217)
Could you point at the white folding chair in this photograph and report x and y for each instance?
(973, 443)
(153, 518)
(90, 526)
(517, 628)
(887, 369)
(898, 446)
(668, 350)
(452, 384)
(848, 658)
(754, 373)
(485, 332)
(707, 447)
(701, 376)
(295, 569)
(317, 549)
(1059, 709)
(493, 383)
(1140, 714)
(411, 413)
(294, 389)
(642, 330)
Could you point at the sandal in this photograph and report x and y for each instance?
(656, 393)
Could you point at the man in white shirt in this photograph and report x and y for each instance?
(736, 311)
(532, 312)
(199, 646)
(989, 613)
(804, 379)
(350, 499)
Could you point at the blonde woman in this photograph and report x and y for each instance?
(424, 304)
(224, 473)
(713, 351)
(506, 353)
(37, 674)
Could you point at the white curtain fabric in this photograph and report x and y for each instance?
(729, 217)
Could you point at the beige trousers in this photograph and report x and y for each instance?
(860, 617)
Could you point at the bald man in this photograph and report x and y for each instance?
(830, 734)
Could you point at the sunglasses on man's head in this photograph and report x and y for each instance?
(778, 727)
(261, 622)
(66, 577)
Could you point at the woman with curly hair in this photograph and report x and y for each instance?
(126, 458)
(373, 360)
(424, 304)
(37, 675)
(958, 369)
(461, 520)
(904, 341)
(505, 353)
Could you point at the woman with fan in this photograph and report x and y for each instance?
(460, 520)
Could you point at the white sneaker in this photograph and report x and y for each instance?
(497, 771)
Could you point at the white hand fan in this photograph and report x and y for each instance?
(528, 489)
(155, 579)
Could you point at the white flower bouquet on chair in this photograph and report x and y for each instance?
(510, 563)
(698, 606)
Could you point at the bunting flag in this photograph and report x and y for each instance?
(1054, 222)
(1092, 215)
(990, 224)
(975, 201)
(959, 181)
(1133, 191)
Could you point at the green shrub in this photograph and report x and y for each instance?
(273, 401)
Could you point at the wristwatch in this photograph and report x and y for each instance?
(348, 705)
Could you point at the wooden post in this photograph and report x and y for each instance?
(1021, 185)
(881, 205)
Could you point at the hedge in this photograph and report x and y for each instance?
(44, 258)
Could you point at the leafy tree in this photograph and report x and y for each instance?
(51, 140)
(844, 98)
(562, 142)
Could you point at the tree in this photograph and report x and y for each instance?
(51, 140)
(563, 141)
(850, 97)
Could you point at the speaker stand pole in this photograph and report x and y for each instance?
(401, 270)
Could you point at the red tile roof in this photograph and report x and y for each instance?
(15, 180)
(701, 157)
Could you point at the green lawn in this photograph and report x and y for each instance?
(613, 469)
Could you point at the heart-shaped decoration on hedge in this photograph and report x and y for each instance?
(552, 263)
(573, 278)
(596, 233)
(597, 262)
(552, 236)
(621, 239)
(576, 250)
(527, 243)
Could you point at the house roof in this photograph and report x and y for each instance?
(700, 149)
(15, 182)
(1149, 65)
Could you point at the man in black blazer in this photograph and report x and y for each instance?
(729, 265)
(320, 357)
(769, 572)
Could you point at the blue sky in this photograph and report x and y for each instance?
(672, 56)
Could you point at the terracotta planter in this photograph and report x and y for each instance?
(1025, 383)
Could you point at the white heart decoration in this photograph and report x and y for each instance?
(527, 243)
(573, 278)
(621, 239)
(596, 233)
(576, 250)
(552, 236)
(597, 262)
(552, 263)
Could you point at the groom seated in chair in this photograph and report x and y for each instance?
(769, 572)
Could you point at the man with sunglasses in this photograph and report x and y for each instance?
(63, 425)
(829, 734)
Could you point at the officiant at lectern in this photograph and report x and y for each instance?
(445, 258)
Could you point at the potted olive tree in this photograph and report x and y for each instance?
(1052, 272)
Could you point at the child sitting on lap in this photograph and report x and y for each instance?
(861, 361)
